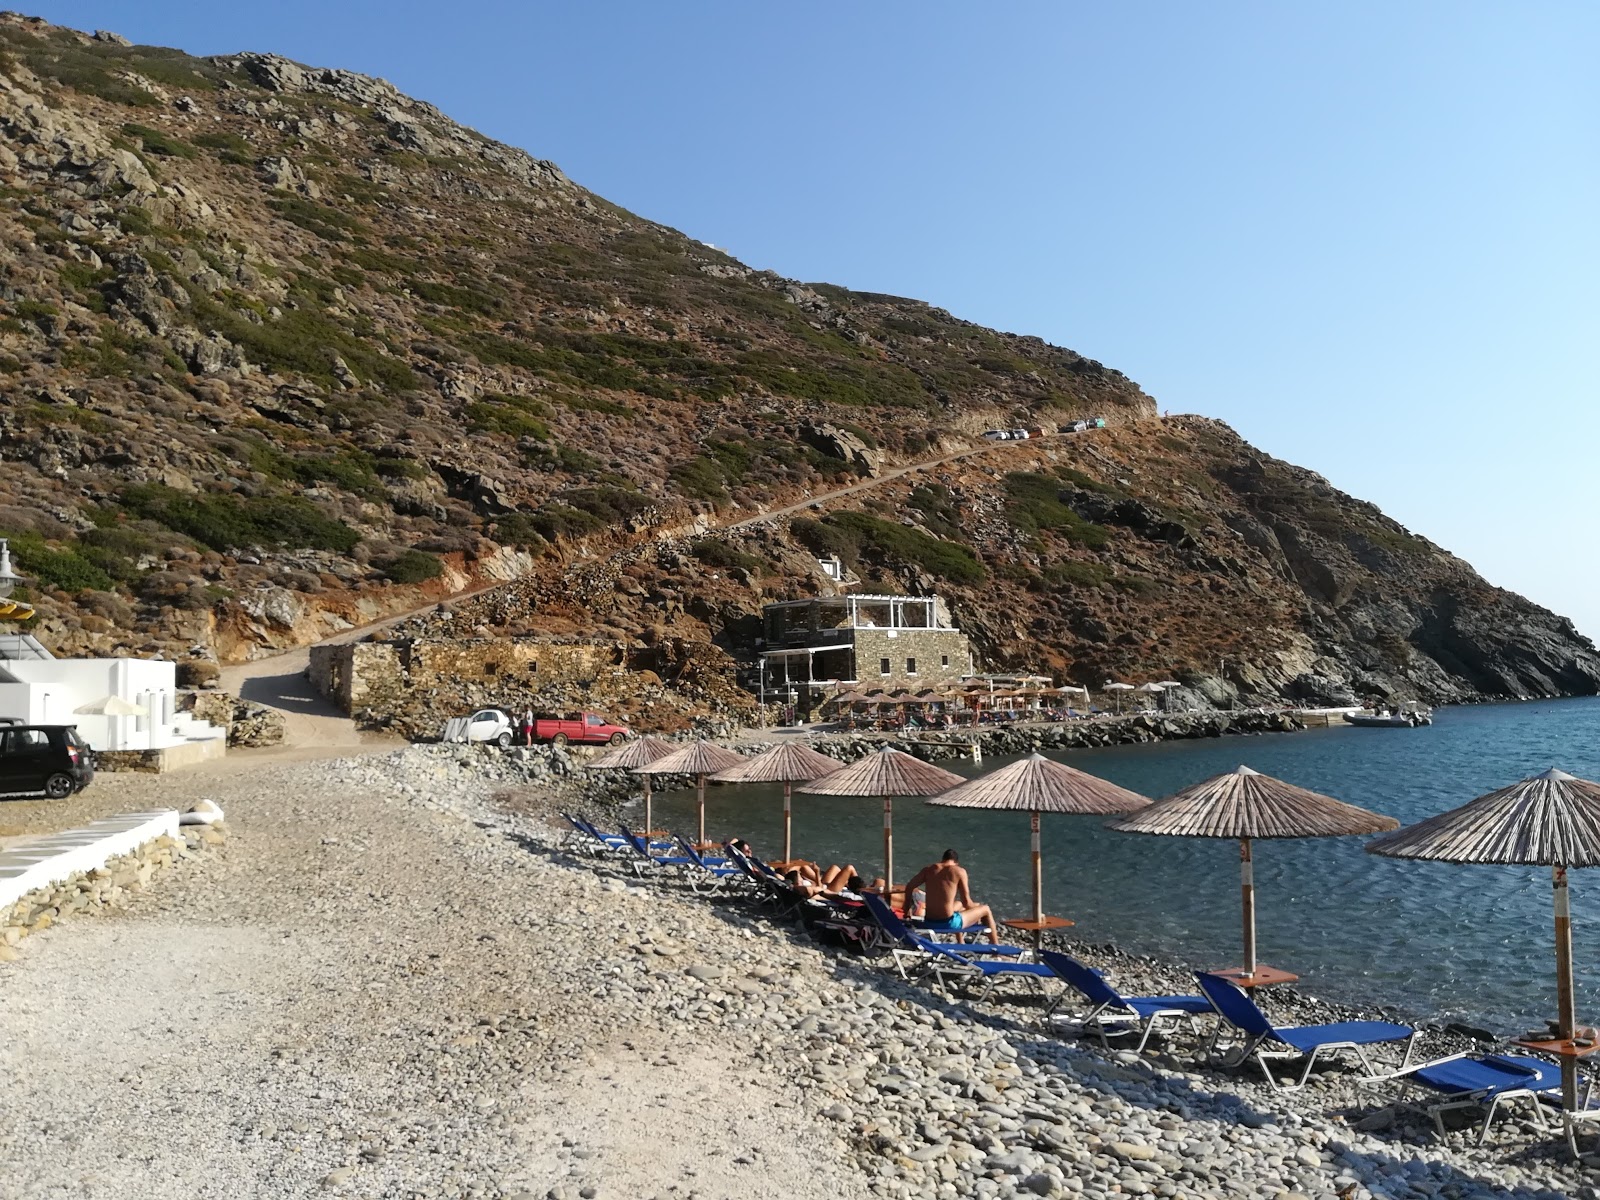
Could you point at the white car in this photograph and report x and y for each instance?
(1002, 435)
(485, 725)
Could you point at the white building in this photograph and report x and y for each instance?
(36, 688)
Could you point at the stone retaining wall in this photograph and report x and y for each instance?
(105, 888)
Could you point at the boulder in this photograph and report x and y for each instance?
(838, 443)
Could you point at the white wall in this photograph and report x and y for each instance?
(49, 691)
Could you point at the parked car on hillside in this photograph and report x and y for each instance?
(589, 728)
(50, 760)
(486, 725)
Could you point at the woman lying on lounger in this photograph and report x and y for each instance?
(809, 879)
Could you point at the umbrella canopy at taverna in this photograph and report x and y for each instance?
(1246, 806)
(887, 773)
(699, 759)
(789, 763)
(111, 706)
(1551, 820)
(632, 754)
(1038, 785)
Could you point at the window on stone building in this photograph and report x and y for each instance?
(533, 668)
(491, 668)
(944, 660)
(911, 666)
(883, 666)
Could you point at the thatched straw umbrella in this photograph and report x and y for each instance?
(1246, 805)
(699, 759)
(887, 773)
(1037, 785)
(788, 764)
(631, 755)
(1551, 820)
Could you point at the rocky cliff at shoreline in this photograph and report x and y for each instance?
(264, 375)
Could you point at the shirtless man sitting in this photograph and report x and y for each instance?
(949, 904)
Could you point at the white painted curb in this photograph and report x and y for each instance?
(38, 862)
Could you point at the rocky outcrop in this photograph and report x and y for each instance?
(847, 447)
(247, 723)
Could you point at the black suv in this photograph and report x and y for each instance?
(53, 759)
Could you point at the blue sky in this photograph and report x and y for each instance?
(1363, 234)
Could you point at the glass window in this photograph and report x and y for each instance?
(944, 660)
(911, 666)
(883, 666)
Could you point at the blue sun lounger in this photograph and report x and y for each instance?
(716, 873)
(945, 961)
(1482, 1081)
(1111, 1007)
(1235, 1008)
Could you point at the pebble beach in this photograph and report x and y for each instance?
(392, 982)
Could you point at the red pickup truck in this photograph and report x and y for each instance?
(585, 727)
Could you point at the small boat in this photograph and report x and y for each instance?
(1404, 716)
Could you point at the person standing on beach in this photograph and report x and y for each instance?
(949, 905)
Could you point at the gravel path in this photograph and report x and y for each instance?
(370, 997)
(389, 984)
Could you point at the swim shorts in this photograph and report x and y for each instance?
(951, 923)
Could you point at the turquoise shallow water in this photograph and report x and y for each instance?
(1438, 941)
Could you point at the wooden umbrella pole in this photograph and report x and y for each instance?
(787, 855)
(700, 790)
(1247, 896)
(888, 847)
(649, 825)
(1565, 1014)
(1038, 870)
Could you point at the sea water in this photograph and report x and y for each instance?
(1471, 943)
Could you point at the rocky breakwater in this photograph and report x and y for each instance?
(1068, 735)
(109, 888)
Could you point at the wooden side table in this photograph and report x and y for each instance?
(1262, 976)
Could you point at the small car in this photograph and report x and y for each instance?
(48, 760)
(491, 725)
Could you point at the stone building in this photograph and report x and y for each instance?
(811, 646)
(385, 677)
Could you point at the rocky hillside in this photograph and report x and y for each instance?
(283, 350)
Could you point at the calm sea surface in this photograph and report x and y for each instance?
(1472, 943)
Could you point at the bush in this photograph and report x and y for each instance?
(1076, 574)
(414, 566)
(401, 468)
(156, 142)
(224, 521)
(826, 541)
(63, 569)
(701, 478)
(303, 341)
(556, 457)
(1034, 504)
(716, 553)
(937, 504)
(552, 521)
(612, 505)
(514, 415)
(896, 543)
